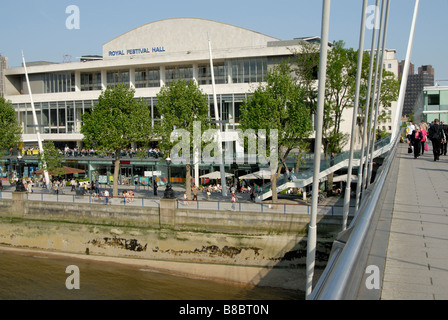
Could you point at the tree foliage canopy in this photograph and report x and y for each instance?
(279, 105)
(10, 130)
(116, 121)
(181, 104)
(340, 88)
(52, 159)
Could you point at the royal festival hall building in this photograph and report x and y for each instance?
(146, 59)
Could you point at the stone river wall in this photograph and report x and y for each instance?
(248, 248)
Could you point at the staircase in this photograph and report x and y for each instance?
(305, 178)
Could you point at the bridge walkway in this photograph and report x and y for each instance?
(416, 265)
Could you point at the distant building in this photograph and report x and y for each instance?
(414, 90)
(435, 103)
(3, 67)
(401, 69)
(391, 64)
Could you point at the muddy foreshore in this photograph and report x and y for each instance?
(251, 260)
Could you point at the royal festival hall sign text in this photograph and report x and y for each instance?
(136, 51)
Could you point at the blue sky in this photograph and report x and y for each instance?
(39, 27)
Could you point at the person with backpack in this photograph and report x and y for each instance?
(409, 129)
(436, 135)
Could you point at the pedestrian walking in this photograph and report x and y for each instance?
(416, 139)
(185, 199)
(435, 134)
(106, 195)
(209, 192)
(195, 193)
(155, 187)
(409, 129)
(73, 184)
(424, 141)
(443, 143)
(233, 202)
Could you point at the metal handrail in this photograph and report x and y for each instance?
(342, 276)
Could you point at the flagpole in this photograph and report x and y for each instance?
(36, 124)
(218, 123)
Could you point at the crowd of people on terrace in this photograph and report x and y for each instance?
(83, 152)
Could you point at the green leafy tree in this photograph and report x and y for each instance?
(340, 90)
(180, 105)
(10, 130)
(52, 158)
(279, 105)
(116, 122)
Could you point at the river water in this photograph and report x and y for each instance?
(28, 276)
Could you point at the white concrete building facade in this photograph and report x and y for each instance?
(147, 58)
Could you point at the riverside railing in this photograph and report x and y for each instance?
(241, 207)
(86, 199)
(279, 208)
(343, 275)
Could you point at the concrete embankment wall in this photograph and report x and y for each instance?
(250, 248)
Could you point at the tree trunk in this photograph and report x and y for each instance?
(188, 181)
(330, 182)
(274, 187)
(274, 178)
(116, 173)
(330, 177)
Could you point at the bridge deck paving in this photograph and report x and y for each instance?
(416, 265)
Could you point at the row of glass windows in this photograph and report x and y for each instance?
(205, 75)
(53, 117)
(59, 82)
(231, 71)
(116, 77)
(66, 116)
(147, 78)
(91, 81)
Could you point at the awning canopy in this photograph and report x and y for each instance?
(215, 175)
(66, 170)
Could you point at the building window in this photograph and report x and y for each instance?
(116, 77)
(178, 72)
(248, 70)
(59, 82)
(91, 81)
(147, 78)
(433, 99)
(205, 75)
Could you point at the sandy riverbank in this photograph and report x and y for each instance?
(247, 276)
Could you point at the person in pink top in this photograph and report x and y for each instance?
(424, 139)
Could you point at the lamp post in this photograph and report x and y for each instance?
(169, 193)
(19, 185)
